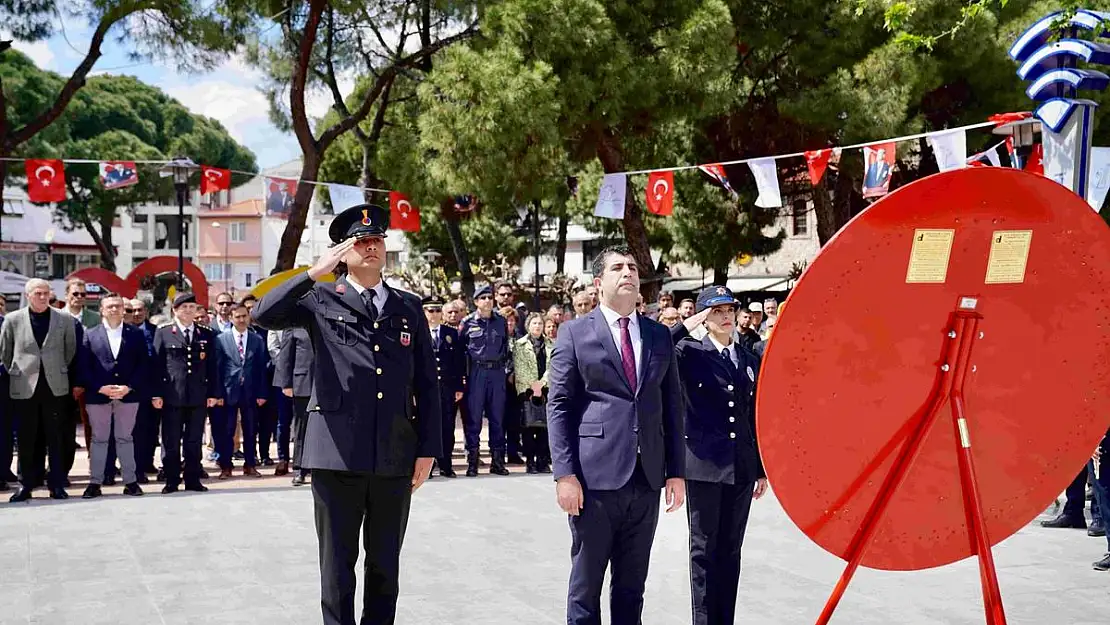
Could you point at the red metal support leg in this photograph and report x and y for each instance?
(898, 471)
(992, 596)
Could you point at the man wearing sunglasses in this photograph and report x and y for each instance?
(222, 321)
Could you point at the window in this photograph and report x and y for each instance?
(238, 231)
(13, 208)
(217, 272)
(140, 218)
(800, 218)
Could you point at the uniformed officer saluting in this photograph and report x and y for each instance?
(723, 468)
(485, 336)
(185, 361)
(374, 414)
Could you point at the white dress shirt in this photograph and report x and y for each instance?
(115, 337)
(241, 336)
(191, 329)
(731, 347)
(380, 292)
(612, 319)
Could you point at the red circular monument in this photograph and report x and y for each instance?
(940, 372)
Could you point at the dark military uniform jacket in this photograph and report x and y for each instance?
(487, 343)
(721, 444)
(450, 360)
(185, 373)
(375, 402)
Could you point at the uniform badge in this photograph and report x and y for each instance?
(173, 329)
(447, 338)
(720, 290)
(406, 338)
(751, 374)
(341, 288)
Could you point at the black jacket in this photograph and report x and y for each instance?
(293, 367)
(375, 403)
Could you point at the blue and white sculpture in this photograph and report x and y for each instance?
(1055, 80)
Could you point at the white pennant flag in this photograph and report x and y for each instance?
(610, 199)
(950, 149)
(345, 196)
(1098, 178)
(993, 157)
(767, 181)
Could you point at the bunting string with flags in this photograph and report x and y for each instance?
(767, 181)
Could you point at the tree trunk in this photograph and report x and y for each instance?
(294, 227)
(101, 234)
(458, 246)
(720, 275)
(561, 242)
(833, 207)
(610, 155)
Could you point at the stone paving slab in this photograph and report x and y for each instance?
(485, 550)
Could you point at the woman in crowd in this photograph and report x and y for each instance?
(550, 327)
(531, 355)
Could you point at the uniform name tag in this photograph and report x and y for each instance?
(406, 338)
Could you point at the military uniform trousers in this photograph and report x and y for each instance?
(182, 431)
(485, 390)
(447, 410)
(347, 504)
(718, 516)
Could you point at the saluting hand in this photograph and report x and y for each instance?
(568, 491)
(330, 259)
(694, 321)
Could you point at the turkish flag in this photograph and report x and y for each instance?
(213, 179)
(46, 181)
(660, 192)
(1035, 163)
(816, 162)
(402, 214)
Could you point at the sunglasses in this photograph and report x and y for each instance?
(482, 298)
(224, 303)
(130, 310)
(434, 309)
(79, 294)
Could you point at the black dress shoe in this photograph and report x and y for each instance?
(1066, 521)
(1097, 530)
(58, 493)
(132, 490)
(23, 494)
(197, 488)
(1103, 564)
(447, 472)
(142, 478)
(267, 462)
(168, 488)
(161, 476)
(92, 491)
(298, 479)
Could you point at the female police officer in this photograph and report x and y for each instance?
(374, 414)
(723, 469)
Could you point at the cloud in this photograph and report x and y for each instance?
(39, 52)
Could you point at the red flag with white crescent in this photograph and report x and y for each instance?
(214, 179)
(660, 192)
(403, 215)
(1035, 163)
(817, 161)
(46, 180)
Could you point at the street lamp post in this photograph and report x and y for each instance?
(430, 257)
(226, 272)
(179, 168)
(536, 247)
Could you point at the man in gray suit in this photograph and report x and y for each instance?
(37, 344)
(293, 375)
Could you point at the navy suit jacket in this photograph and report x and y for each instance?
(242, 379)
(595, 423)
(98, 367)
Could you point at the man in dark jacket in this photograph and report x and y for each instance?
(293, 371)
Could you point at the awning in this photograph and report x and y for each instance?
(738, 284)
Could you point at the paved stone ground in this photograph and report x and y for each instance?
(488, 550)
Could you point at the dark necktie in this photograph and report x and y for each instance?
(728, 361)
(188, 336)
(371, 309)
(628, 357)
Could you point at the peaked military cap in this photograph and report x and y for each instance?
(364, 220)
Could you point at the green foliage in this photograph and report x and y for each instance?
(486, 239)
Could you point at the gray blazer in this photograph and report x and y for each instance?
(21, 355)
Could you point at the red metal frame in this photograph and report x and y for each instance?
(964, 331)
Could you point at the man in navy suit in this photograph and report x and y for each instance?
(242, 359)
(723, 468)
(615, 424)
(113, 368)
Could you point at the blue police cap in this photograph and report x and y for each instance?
(364, 220)
(432, 300)
(715, 295)
(483, 290)
(184, 298)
